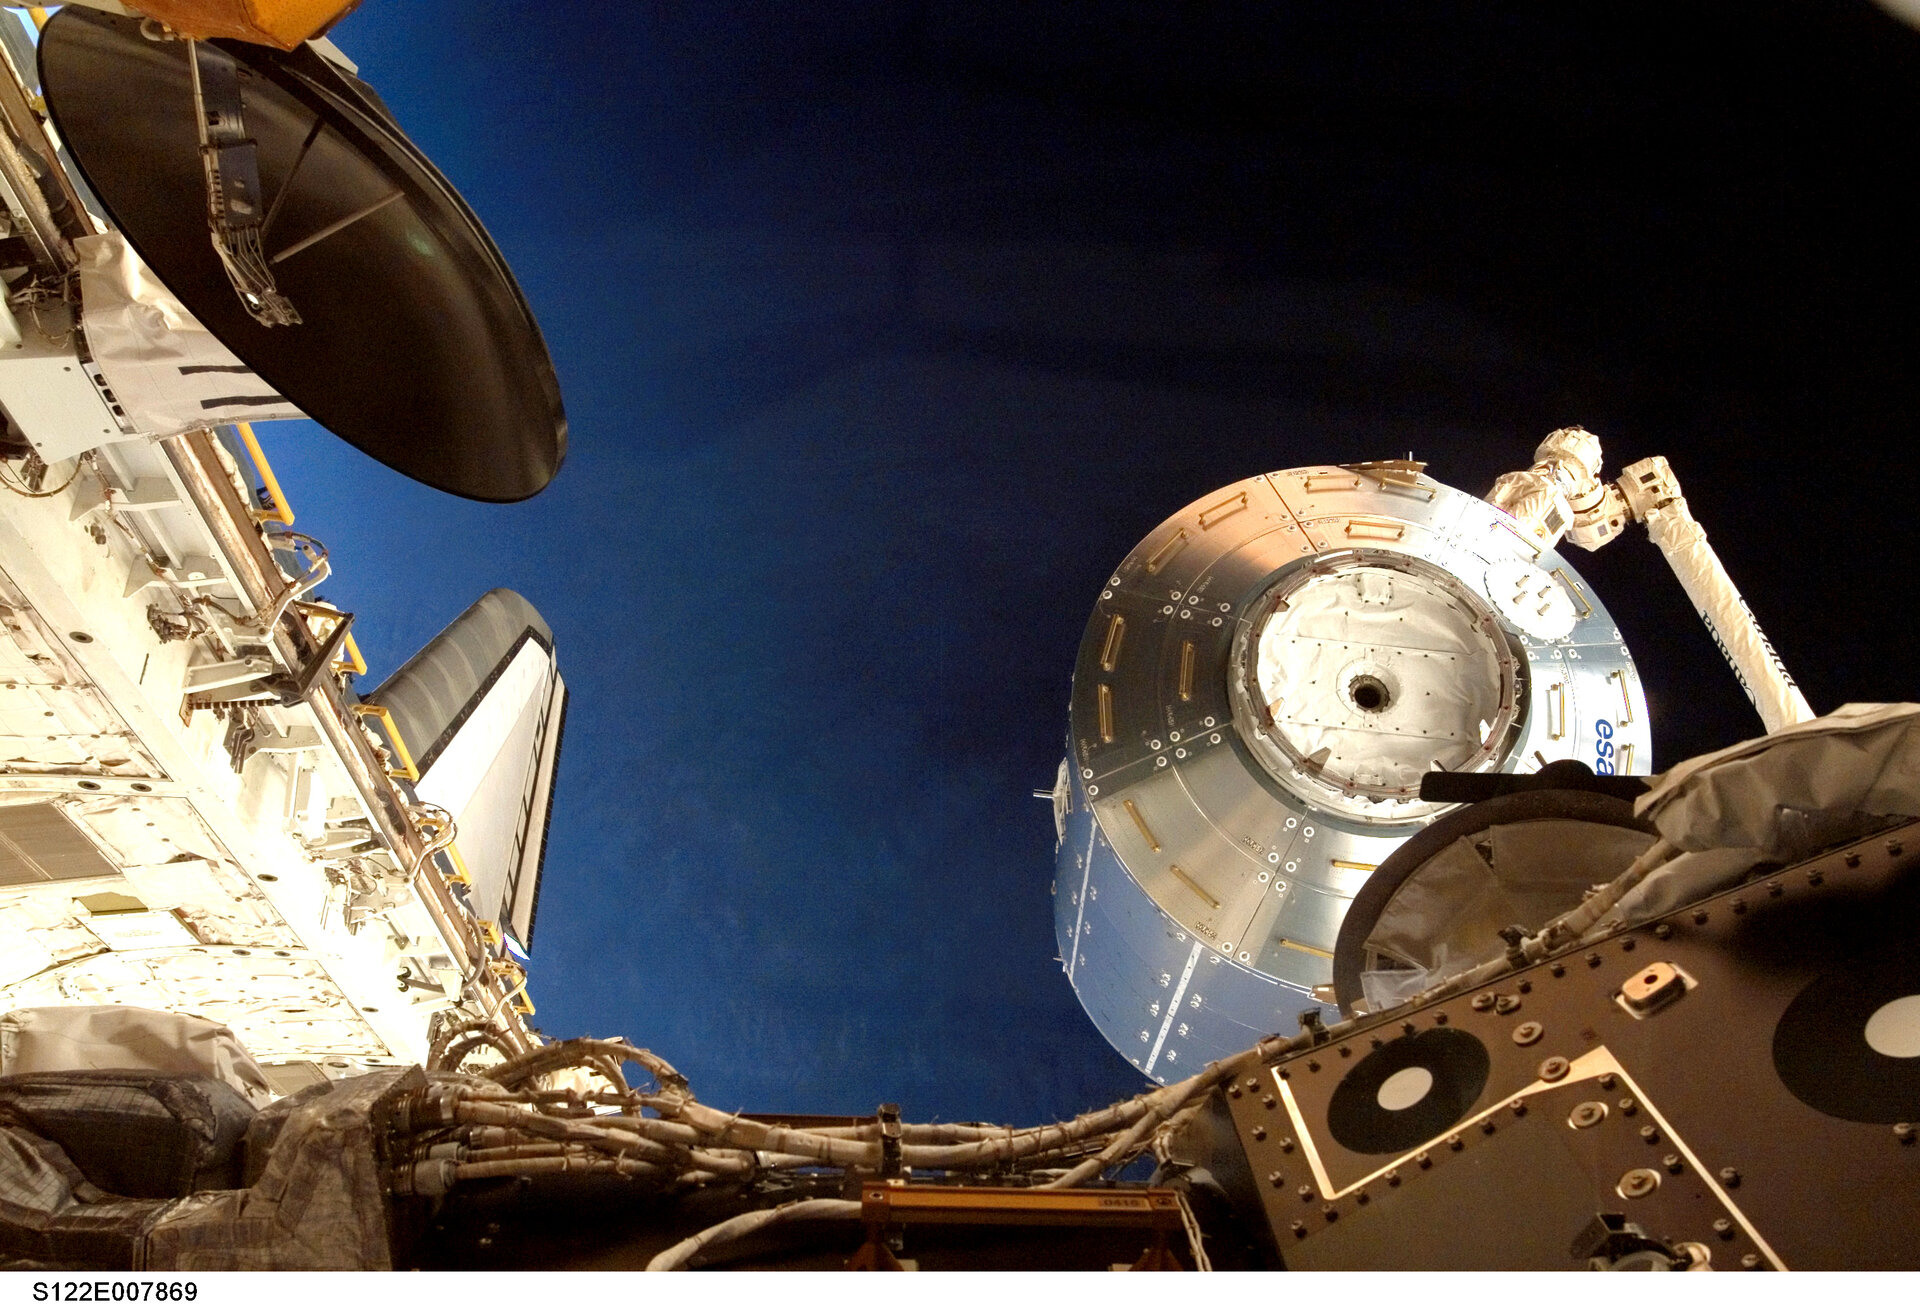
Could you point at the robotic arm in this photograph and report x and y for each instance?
(1562, 495)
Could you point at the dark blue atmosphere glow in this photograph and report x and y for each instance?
(886, 329)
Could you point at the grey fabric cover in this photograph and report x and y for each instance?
(264, 1130)
(1765, 794)
(52, 1218)
(121, 1038)
(320, 1203)
(135, 1133)
(1778, 799)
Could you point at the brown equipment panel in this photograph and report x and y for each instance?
(1734, 1106)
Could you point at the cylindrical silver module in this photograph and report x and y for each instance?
(1262, 685)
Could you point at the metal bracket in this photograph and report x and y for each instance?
(886, 1206)
(890, 1134)
(296, 739)
(208, 677)
(1610, 1242)
(293, 689)
(257, 678)
(232, 162)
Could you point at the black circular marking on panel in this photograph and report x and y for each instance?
(1820, 1047)
(1458, 1063)
(415, 345)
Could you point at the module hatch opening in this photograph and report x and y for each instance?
(1362, 671)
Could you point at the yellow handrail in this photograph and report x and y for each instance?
(406, 770)
(281, 512)
(460, 873)
(507, 971)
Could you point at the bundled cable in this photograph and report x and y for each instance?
(504, 1122)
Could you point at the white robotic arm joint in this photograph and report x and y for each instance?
(1562, 495)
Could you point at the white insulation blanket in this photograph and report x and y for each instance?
(166, 371)
(127, 1038)
(1437, 673)
(1862, 759)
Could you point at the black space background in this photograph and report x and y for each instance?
(1691, 228)
(888, 328)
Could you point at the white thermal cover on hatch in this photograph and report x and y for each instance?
(1376, 675)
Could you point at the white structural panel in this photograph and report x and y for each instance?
(487, 775)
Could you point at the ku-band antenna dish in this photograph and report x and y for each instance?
(412, 341)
